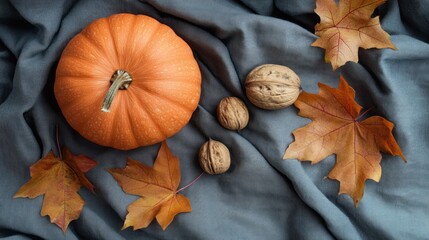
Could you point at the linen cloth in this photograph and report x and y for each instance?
(261, 196)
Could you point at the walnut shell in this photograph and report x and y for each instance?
(271, 86)
(214, 157)
(232, 113)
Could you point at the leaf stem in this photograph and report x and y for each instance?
(58, 142)
(363, 114)
(191, 183)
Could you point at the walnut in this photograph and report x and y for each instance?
(272, 86)
(214, 157)
(232, 113)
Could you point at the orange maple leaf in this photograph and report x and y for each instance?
(158, 188)
(59, 180)
(345, 27)
(337, 128)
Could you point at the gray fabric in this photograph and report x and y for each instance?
(262, 196)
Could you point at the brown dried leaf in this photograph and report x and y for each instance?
(337, 129)
(59, 181)
(157, 187)
(345, 27)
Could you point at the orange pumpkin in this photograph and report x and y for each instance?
(127, 81)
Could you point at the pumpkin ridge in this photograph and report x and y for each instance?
(165, 80)
(128, 48)
(86, 79)
(174, 61)
(133, 96)
(85, 46)
(150, 113)
(139, 62)
(101, 51)
(90, 41)
(85, 121)
(70, 104)
(111, 131)
(102, 69)
(120, 113)
(155, 94)
(152, 38)
(130, 117)
(118, 57)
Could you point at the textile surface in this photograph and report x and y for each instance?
(261, 196)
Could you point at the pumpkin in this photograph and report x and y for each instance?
(127, 81)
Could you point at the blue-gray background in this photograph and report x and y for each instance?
(262, 196)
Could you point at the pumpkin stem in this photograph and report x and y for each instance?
(121, 79)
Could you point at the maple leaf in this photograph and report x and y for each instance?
(59, 179)
(157, 187)
(345, 27)
(337, 128)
